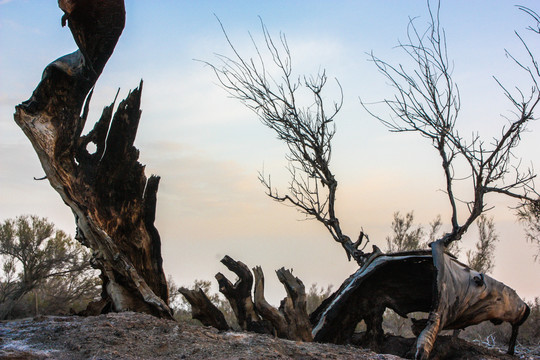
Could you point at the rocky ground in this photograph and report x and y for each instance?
(140, 336)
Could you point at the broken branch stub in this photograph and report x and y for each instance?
(291, 320)
(293, 306)
(239, 296)
(112, 200)
(203, 310)
(264, 309)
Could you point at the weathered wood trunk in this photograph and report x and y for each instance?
(464, 297)
(398, 282)
(203, 310)
(290, 321)
(112, 200)
(239, 296)
(428, 281)
(239, 293)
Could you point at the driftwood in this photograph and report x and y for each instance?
(112, 200)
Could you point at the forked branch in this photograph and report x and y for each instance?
(426, 100)
(273, 93)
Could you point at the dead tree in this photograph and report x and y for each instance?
(404, 282)
(113, 202)
(426, 101)
(529, 211)
(307, 130)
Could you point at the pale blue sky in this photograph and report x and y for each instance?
(208, 148)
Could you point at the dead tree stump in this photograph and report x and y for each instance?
(113, 202)
(291, 320)
(239, 296)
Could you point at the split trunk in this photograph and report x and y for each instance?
(113, 202)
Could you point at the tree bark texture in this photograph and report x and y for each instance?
(464, 297)
(112, 200)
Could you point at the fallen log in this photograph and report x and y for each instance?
(427, 281)
(401, 282)
(464, 297)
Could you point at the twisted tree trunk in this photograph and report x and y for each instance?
(113, 202)
(464, 297)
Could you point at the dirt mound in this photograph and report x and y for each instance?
(140, 336)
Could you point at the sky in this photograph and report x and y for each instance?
(208, 148)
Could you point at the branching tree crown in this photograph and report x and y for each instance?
(529, 212)
(307, 130)
(426, 101)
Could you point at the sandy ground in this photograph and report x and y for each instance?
(140, 336)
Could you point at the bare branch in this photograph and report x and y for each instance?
(535, 17)
(426, 100)
(272, 92)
